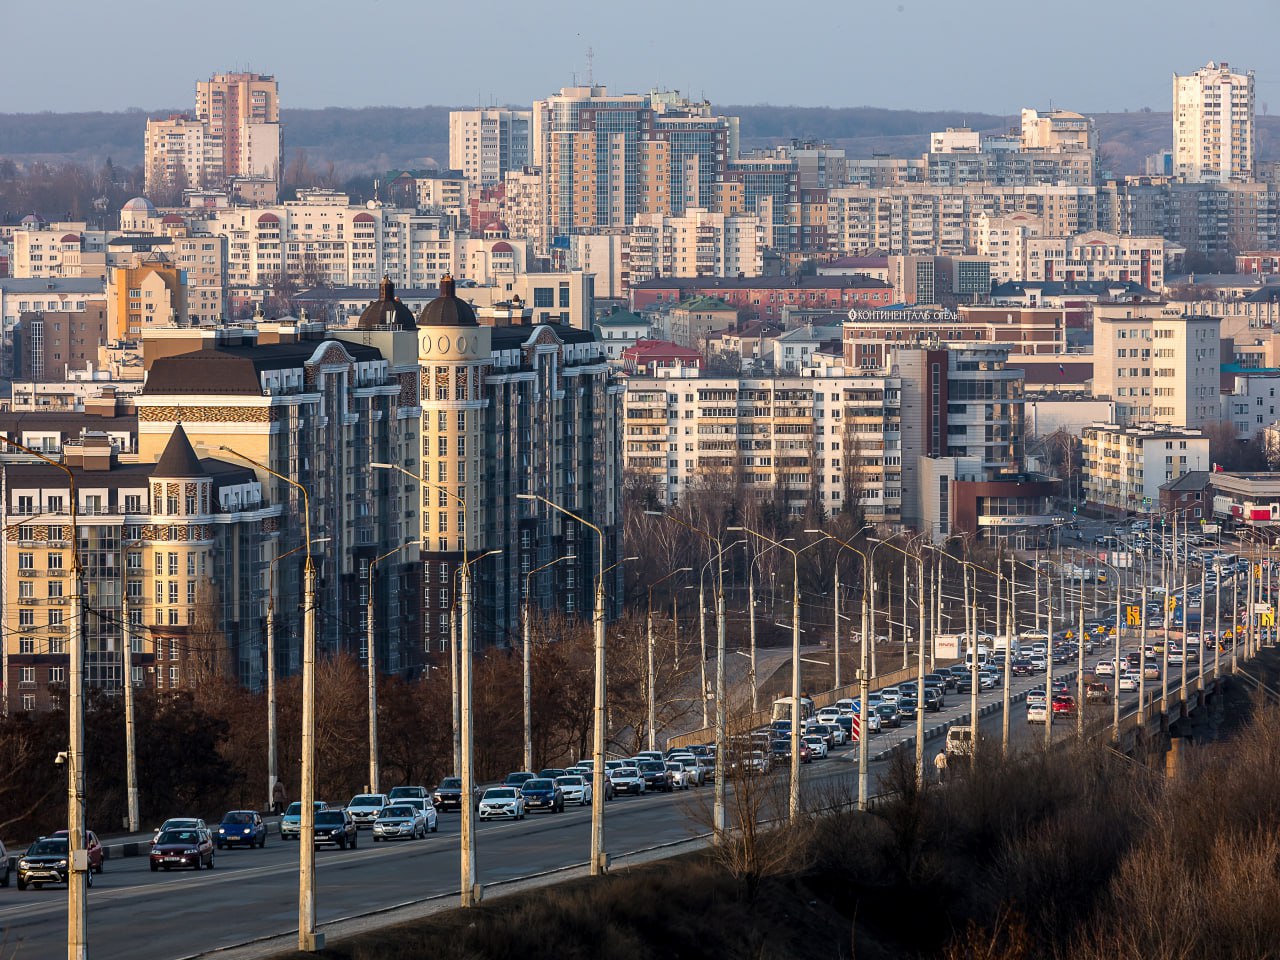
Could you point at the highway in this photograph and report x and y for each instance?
(252, 894)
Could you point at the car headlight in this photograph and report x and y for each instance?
(61, 863)
(246, 829)
(24, 865)
(221, 830)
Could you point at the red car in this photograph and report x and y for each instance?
(1065, 705)
(182, 848)
(97, 856)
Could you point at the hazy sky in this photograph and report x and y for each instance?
(992, 56)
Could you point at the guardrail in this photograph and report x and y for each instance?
(760, 718)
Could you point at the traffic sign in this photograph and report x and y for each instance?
(1269, 618)
(856, 726)
(1173, 603)
(1133, 615)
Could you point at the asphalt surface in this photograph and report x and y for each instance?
(135, 914)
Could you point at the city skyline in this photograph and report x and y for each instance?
(890, 55)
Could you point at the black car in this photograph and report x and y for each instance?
(337, 827)
(550, 773)
(907, 708)
(518, 778)
(449, 794)
(656, 775)
(1022, 667)
(889, 715)
(541, 793)
(45, 862)
(964, 682)
(933, 699)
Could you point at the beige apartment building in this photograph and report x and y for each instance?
(487, 144)
(1158, 363)
(699, 243)
(181, 152)
(823, 438)
(1125, 465)
(1213, 125)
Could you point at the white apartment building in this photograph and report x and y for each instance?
(181, 153)
(1213, 127)
(700, 243)
(1004, 242)
(1252, 405)
(57, 250)
(1057, 131)
(1019, 250)
(606, 256)
(488, 144)
(785, 438)
(1125, 466)
(1157, 363)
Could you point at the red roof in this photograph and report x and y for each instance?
(268, 218)
(71, 238)
(502, 247)
(363, 218)
(495, 226)
(172, 218)
(647, 350)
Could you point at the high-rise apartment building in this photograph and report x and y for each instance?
(181, 152)
(606, 158)
(242, 110)
(1213, 129)
(486, 145)
(698, 243)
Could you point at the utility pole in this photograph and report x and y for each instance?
(373, 671)
(650, 678)
(130, 736)
(470, 893)
(835, 623)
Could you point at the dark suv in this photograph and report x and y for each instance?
(656, 775)
(46, 860)
(337, 827)
(1022, 667)
(449, 794)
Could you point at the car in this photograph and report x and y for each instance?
(817, 745)
(627, 780)
(873, 722)
(754, 761)
(908, 708)
(1039, 663)
(820, 730)
(542, 793)
(964, 682)
(406, 793)
(1175, 657)
(291, 822)
(4, 865)
(430, 818)
(681, 779)
(889, 715)
(551, 773)
(337, 827)
(399, 821)
(986, 680)
(518, 778)
(448, 794)
(365, 808)
(1036, 712)
(933, 701)
(890, 694)
(1128, 681)
(575, 789)
(1104, 668)
(1035, 697)
(187, 847)
(1065, 705)
(178, 823)
(46, 862)
(1022, 667)
(695, 773)
(502, 802)
(656, 776)
(1097, 693)
(241, 827)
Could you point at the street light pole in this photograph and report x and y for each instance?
(599, 862)
(77, 849)
(651, 691)
(308, 938)
(528, 658)
(373, 670)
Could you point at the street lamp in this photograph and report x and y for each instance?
(835, 597)
(308, 938)
(528, 666)
(77, 851)
(794, 796)
(651, 690)
(469, 893)
(599, 862)
(272, 752)
(371, 662)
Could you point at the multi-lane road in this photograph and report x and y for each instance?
(252, 894)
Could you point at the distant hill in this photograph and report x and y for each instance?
(374, 139)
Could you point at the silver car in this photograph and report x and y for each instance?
(399, 821)
(430, 818)
(502, 802)
(575, 789)
(365, 807)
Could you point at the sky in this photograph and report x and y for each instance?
(992, 56)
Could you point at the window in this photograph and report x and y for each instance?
(27, 675)
(191, 564)
(132, 503)
(544, 297)
(191, 591)
(26, 561)
(26, 618)
(173, 676)
(56, 674)
(55, 589)
(173, 591)
(173, 563)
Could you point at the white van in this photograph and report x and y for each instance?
(959, 741)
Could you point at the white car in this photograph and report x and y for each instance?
(874, 723)
(817, 744)
(399, 821)
(502, 802)
(575, 789)
(365, 807)
(1037, 712)
(827, 715)
(627, 780)
(430, 818)
(1104, 668)
(1128, 681)
(681, 778)
(986, 681)
(890, 695)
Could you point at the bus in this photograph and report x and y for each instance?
(782, 708)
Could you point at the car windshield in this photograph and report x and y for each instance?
(295, 810)
(538, 785)
(238, 816)
(329, 818)
(403, 792)
(179, 836)
(649, 766)
(366, 800)
(46, 847)
(886, 709)
(500, 793)
(397, 811)
(569, 781)
(451, 783)
(627, 772)
(177, 823)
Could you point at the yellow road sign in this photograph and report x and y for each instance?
(1133, 616)
(1269, 618)
(1173, 603)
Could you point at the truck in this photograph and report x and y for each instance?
(946, 646)
(1000, 643)
(782, 708)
